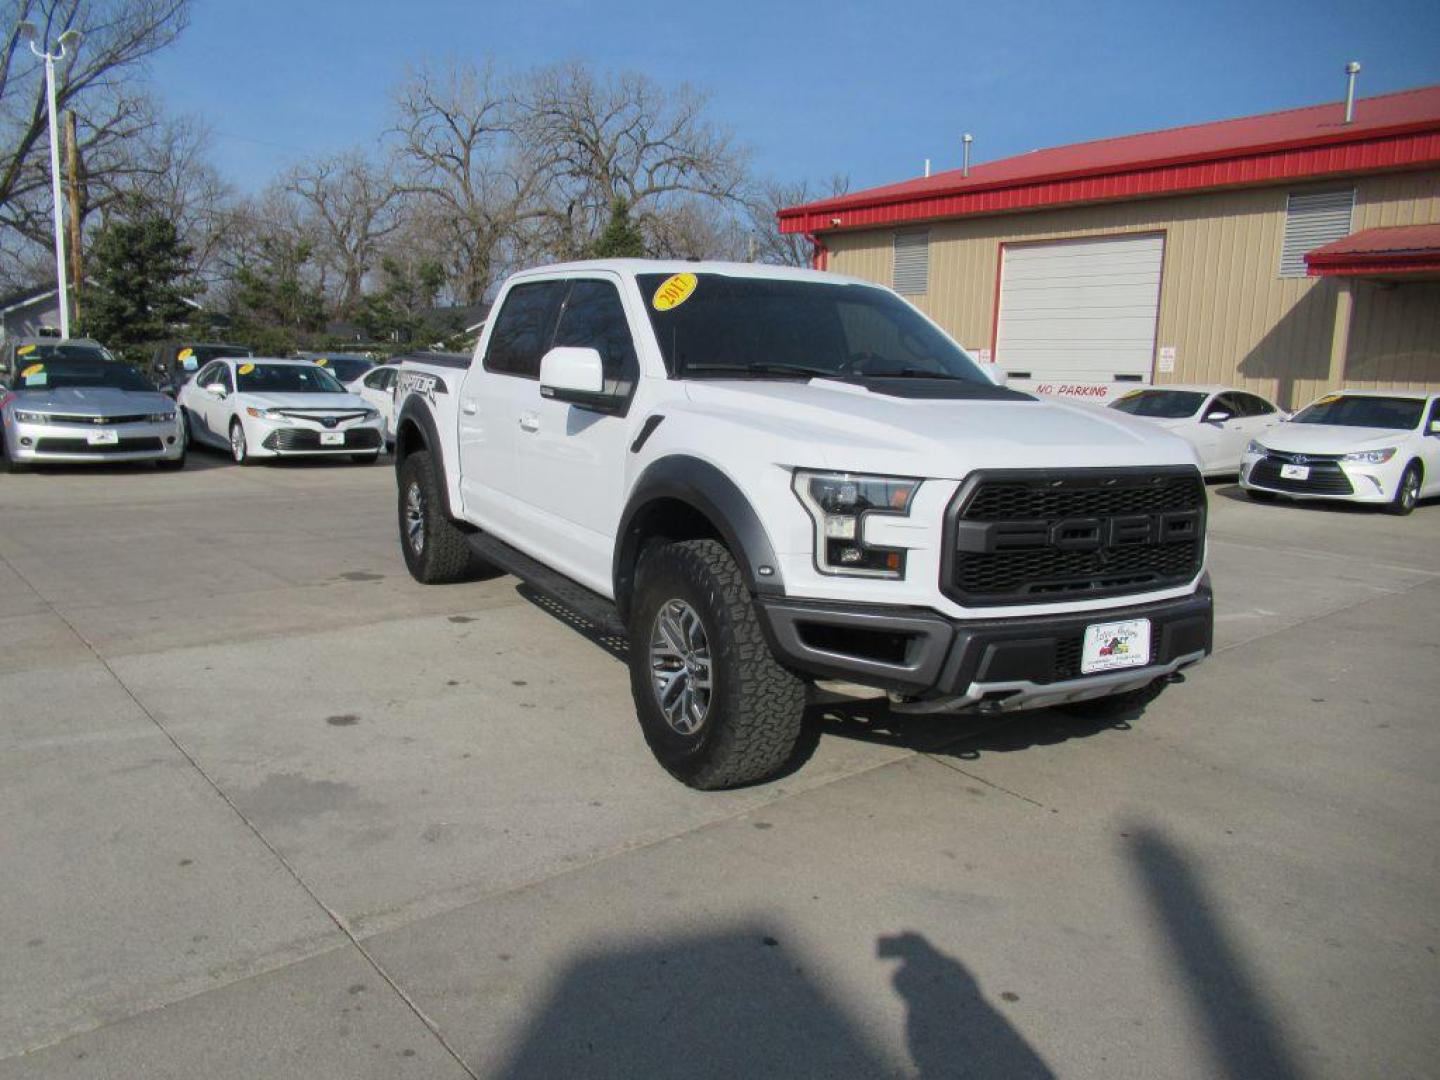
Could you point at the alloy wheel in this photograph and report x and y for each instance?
(680, 666)
(415, 517)
(237, 443)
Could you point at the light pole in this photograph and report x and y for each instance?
(70, 38)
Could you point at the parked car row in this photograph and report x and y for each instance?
(1368, 446)
(72, 401)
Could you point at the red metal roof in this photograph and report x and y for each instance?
(1400, 249)
(1389, 132)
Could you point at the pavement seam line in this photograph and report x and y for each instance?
(334, 916)
(1384, 594)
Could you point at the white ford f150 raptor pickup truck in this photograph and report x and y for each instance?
(765, 477)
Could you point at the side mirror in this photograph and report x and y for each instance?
(1219, 416)
(215, 389)
(575, 375)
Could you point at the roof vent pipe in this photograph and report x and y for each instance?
(967, 139)
(1351, 70)
(927, 167)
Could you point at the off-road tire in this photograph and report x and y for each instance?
(443, 554)
(756, 706)
(1407, 491)
(1116, 706)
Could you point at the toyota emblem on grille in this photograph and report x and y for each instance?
(330, 421)
(1299, 459)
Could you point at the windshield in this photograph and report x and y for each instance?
(286, 379)
(717, 326)
(25, 355)
(83, 371)
(1396, 413)
(1160, 404)
(345, 368)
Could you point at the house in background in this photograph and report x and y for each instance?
(32, 312)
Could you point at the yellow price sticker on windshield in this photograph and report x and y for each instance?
(1327, 399)
(24, 350)
(322, 361)
(1132, 393)
(185, 354)
(246, 369)
(33, 369)
(674, 291)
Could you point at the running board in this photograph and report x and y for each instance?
(589, 605)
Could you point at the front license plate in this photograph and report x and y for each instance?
(1115, 645)
(332, 438)
(102, 438)
(1295, 472)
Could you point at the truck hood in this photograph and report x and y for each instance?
(845, 426)
(305, 401)
(1328, 438)
(93, 401)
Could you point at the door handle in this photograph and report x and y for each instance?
(468, 407)
(529, 422)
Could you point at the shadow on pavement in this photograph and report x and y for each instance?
(741, 1003)
(1245, 1040)
(1235, 493)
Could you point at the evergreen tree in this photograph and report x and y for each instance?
(397, 311)
(621, 239)
(139, 268)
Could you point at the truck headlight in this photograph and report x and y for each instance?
(1370, 457)
(838, 504)
(31, 417)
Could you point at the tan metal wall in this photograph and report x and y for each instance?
(1223, 305)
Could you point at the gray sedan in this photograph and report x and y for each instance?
(70, 403)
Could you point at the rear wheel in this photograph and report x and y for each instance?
(1407, 492)
(715, 706)
(436, 551)
(1115, 706)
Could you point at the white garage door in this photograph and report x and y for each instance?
(1080, 310)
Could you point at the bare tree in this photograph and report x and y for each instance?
(97, 80)
(602, 138)
(353, 205)
(764, 203)
(473, 180)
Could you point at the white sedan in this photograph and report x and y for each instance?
(262, 408)
(377, 388)
(1367, 446)
(1218, 421)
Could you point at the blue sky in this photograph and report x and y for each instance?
(867, 89)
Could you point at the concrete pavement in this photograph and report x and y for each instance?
(272, 809)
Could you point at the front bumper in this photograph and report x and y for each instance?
(62, 443)
(1330, 479)
(269, 438)
(936, 663)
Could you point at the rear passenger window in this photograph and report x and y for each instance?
(524, 328)
(594, 318)
(1256, 406)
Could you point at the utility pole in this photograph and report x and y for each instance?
(72, 164)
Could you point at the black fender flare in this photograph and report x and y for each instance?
(707, 490)
(416, 411)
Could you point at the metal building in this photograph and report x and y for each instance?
(1288, 253)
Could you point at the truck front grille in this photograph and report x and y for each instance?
(1031, 537)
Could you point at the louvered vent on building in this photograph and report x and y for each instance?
(912, 263)
(1312, 221)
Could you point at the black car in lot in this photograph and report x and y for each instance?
(175, 362)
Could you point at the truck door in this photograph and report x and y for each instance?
(499, 396)
(571, 459)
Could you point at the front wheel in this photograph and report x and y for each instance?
(436, 551)
(1407, 492)
(715, 706)
(239, 449)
